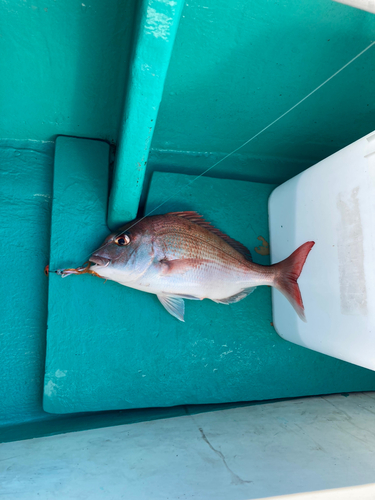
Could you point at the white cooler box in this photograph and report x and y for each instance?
(333, 204)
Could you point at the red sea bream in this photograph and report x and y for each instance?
(181, 256)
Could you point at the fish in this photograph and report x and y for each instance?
(180, 255)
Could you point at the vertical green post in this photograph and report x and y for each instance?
(155, 32)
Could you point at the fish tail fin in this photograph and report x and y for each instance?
(286, 274)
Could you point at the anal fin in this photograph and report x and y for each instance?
(237, 297)
(174, 305)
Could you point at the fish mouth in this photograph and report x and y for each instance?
(100, 261)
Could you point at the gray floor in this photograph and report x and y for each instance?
(245, 453)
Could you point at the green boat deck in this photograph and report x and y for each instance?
(234, 69)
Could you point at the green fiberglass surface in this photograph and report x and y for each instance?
(235, 67)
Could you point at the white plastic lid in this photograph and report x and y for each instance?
(333, 204)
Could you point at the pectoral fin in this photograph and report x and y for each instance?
(179, 266)
(174, 305)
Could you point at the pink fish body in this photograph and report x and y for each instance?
(179, 256)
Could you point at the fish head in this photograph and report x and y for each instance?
(125, 254)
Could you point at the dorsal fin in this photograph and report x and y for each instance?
(198, 219)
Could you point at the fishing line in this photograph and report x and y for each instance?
(254, 136)
(246, 142)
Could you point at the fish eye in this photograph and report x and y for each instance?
(122, 240)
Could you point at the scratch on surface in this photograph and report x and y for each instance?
(319, 447)
(349, 419)
(158, 24)
(368, 395)
(235, 478)
(225, 353)
(8, 458)
(364, 441)
(337, 408)
(43, 195)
